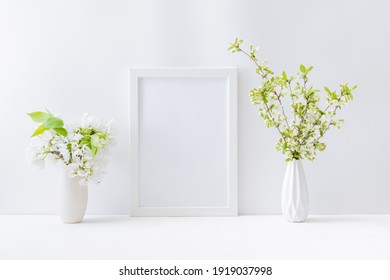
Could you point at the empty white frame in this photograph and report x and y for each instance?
(183, 142)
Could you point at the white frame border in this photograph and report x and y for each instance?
(231, 75)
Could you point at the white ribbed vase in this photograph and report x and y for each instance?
(72, 199)
(295, 197)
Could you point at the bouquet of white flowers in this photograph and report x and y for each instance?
(80, 149)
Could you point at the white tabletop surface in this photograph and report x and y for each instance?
(242, 237)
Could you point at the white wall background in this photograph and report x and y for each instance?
(73, 57)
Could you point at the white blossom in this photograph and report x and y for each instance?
(50, 159)
(47, 135)
(83, 182)
(77, 137)
(73, 152)
(62, 148)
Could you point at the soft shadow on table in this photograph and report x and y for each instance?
(335, 219)
(102, 219)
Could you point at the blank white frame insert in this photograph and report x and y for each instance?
(183, 142)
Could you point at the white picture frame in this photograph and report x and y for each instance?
(183, 142)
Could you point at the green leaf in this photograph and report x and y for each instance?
(41, 129)
(86, 140)
(61, 131)
(327, 89)
(54, 122)
(284, 75)
(39, 117)
(94, 150)
(302, 68)
(102, 135)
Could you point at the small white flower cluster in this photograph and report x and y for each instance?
(82, 152)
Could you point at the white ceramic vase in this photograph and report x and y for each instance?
(72, 199)
(295, 198)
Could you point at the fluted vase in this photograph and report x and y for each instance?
(295, 197)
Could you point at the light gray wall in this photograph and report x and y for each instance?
(73, 57)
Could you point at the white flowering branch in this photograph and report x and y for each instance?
(300, 134)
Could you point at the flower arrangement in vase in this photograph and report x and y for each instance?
(301, 125)
(81, 151)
